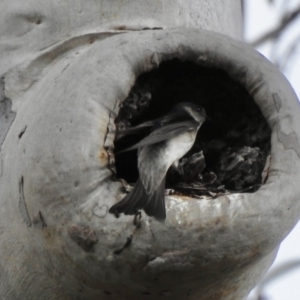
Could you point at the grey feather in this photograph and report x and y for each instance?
(164, 133)
(153, 204)
(171, 138)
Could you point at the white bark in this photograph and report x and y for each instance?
(57, 240)
(28, 27)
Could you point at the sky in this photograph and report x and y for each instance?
(260, 17)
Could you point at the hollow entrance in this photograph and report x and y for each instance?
(235, 142)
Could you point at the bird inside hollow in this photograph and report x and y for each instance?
(171, 137)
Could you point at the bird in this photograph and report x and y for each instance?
(171, 137)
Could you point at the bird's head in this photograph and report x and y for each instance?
(193, 110)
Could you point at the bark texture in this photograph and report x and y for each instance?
(60, 95)
(27, 28)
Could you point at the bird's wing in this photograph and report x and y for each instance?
(146, 125)
(137, 129)
(164, 133)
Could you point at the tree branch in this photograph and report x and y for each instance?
(286, 20)
(285, 58)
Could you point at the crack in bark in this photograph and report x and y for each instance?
(22, 204)
(22, 132)
(277, 101)
(39, 222)
(125, 246)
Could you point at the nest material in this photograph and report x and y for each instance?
(231, 150)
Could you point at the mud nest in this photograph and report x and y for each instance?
(231, 152)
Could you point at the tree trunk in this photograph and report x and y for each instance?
(66, 69)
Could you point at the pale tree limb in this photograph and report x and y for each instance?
(280, 271)
(283, 61)
(286, 20)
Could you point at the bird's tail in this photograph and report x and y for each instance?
(153, 205)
